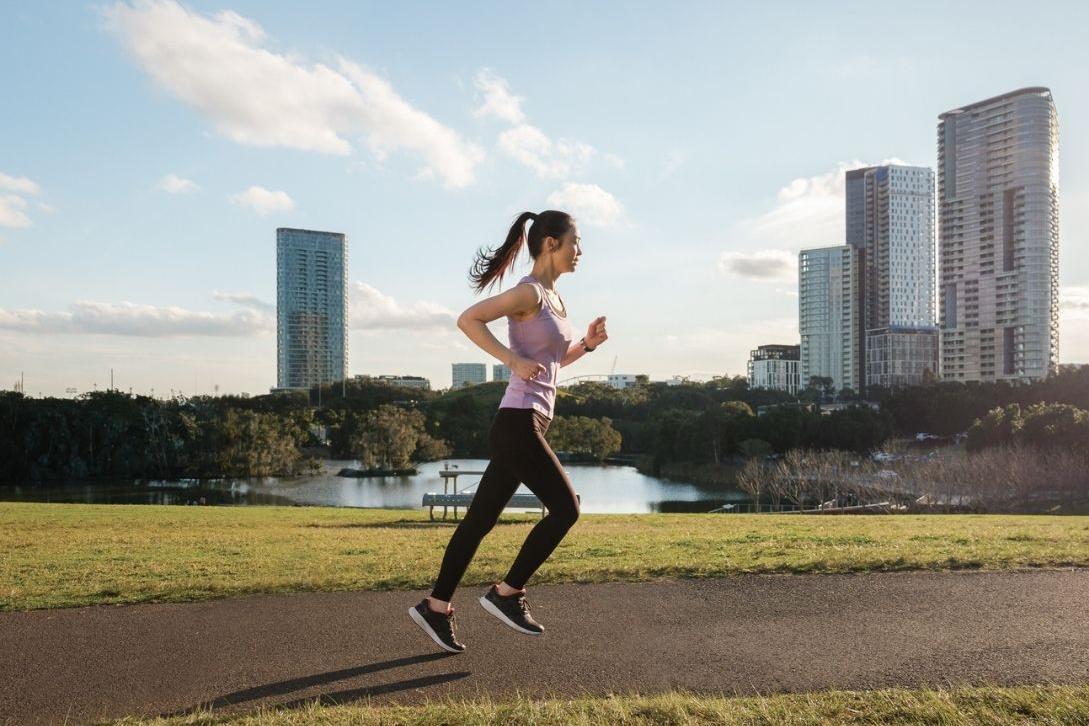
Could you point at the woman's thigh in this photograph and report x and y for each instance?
(537, 467)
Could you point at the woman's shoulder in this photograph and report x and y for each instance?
(530, 298)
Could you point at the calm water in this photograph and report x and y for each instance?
(619, 489)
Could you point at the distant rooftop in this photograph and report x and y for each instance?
(1031, 90)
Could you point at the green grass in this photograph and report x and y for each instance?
(64, 555)
(1058, 705)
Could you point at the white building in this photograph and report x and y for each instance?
(998, 194)
(622, 380)
(828, 316)
(775, 367)
(500, 372)
(469, 374)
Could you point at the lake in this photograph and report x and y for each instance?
(603, 488)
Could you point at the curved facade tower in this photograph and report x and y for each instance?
(998, 233)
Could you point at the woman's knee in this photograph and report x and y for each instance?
(566, 515)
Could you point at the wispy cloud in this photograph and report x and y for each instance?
(220, 65)
(769, 265)
(808, 210)
(175, 184)
(12, 211)
(1075, 301)
(498, 101)
(589, 203)
(19, 184)
(133, 319)
(529, 146)
(13, 206)
(264, 201)
(246, 300)
(371, 309)
(522, 141)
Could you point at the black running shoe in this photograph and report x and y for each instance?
(440, 627)
(512, 610)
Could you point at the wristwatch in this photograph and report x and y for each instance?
(585, 347)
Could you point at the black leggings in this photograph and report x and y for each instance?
(519, 454)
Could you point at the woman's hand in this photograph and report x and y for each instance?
(526, 368)
(595, 333)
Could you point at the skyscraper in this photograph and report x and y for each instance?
(828, 316)
(890, 221)
(998, 189)
(311, 313)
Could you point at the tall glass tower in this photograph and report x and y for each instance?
(311, 308)
(998, 234)
(890, 221)
(828, 316)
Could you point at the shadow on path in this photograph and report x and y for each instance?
(281, 688)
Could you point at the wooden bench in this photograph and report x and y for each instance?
(454, 499)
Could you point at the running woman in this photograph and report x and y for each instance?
(541, 342)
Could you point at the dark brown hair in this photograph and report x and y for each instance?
(490, 266)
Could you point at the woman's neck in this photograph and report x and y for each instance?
(545, 277)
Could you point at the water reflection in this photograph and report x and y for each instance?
(616, 489)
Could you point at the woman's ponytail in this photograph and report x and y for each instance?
(490, 266)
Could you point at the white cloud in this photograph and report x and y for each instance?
(264, 201)
(809, 210)
(1075, 302)
(392, 123)
(11, 211)
(177, 185)
(530, 146)
(18, 184)
(524, 142)
(246, 300)
(132, 319)
(587, 202)
(371, 309)
(771, 265)
(255, 96)
(498, 102)
(13, 206)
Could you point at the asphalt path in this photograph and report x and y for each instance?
(739, 635)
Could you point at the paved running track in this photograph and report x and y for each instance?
(754, 633)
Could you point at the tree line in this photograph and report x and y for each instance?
(719, 421)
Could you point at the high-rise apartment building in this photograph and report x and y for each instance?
(890, 221)
(828, 316)
(468, 374)
(500, 372)
(311, 308)
(998, 194)
(775, 367)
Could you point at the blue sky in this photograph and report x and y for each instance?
(151, 150)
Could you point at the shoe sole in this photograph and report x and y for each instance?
(426, 627)
(487, 604)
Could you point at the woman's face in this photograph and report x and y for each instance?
(567, 253)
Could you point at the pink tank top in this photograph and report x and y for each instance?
(546, 339)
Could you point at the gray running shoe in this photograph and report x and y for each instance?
(512, 610)
(439, 627)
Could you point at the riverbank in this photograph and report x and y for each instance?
(721, 476)
(67, 555)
